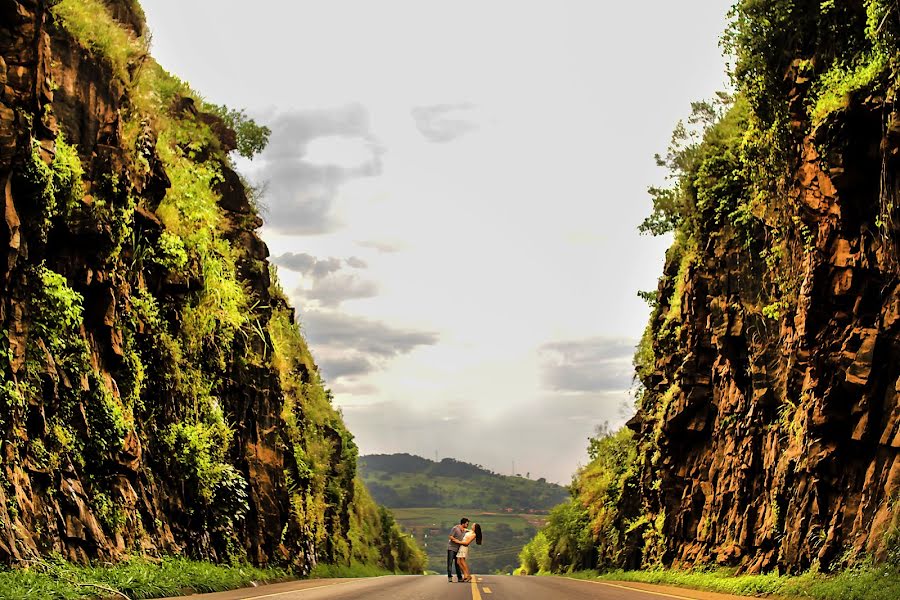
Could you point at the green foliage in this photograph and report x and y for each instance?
(107, 420)
(199, 451)
(766, 36)
(67, 185)
(56, 312)
(688, 256)
(191, 215)
(377, 540)
(603, 487)
(145, 308)
(57, 307)
(170, 253)
(706, 171)
(590, 530)
(651, 297)
(569, 534)
(251, 137)
(836, 85)
(57, 187)
(535, 556)
(108, 512)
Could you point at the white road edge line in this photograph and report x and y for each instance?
(636, 589)
(318, 587)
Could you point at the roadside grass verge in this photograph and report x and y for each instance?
(861, 583)
(137, 578)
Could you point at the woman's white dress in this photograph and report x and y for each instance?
(464, 550)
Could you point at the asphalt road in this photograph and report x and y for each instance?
(488, 587)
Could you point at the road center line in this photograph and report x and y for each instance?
(636, 589)
(476, 595)
(318, 587)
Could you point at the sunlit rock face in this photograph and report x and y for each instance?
(770, 430)
(157, 397)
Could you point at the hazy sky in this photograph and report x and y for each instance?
(453, 191)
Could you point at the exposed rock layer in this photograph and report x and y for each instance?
(779, 435)
(70, 487)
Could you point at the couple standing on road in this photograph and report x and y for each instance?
(458, 549)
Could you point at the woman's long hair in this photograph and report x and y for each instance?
(477, 530)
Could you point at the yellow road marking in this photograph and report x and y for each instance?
(635, 589)
(318, 587)
(476, 595)
(487, 590)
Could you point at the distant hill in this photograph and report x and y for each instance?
(407, 481)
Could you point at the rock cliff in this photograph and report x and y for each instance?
(769, 428)
(157, 397)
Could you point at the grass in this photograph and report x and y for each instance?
(862, 583)
(139, 578)
(136, 578)
(91, 23)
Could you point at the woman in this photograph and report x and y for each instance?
(472, 535)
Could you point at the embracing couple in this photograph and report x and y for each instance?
(458, 549)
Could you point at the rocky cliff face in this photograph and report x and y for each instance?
(769, 431)
(156, 395)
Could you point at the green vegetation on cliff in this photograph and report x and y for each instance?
(157, 396)
(765, 431)
(590, 530)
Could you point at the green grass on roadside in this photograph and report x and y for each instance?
(862, 583)
(137, 578)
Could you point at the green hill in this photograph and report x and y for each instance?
(429, 497)
(408, 481)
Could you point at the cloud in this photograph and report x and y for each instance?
(300, 189)
(594, 364)
(348, 366)
(348, 347)
(368, 337)
(442, 123)
(307, 264)
(335, 288)
(328, 284)
(381, 246)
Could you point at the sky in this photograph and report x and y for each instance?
(452, 192)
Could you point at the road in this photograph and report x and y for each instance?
(488, 587)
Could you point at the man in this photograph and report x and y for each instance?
(458, 532)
